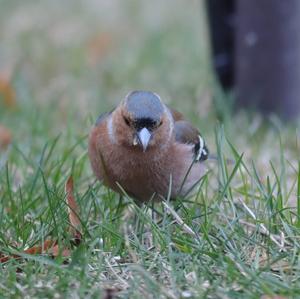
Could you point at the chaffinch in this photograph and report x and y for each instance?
(146, 148)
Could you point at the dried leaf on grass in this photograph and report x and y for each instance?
(72, 209)
(32, 250)
(51, 247)
(5, 137)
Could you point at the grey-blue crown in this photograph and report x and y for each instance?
(144, 105)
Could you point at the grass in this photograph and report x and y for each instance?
(237, 237)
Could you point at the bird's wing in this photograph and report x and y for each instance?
(176, 114)
(186, 133)
(96, 157)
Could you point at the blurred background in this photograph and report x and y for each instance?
(256, 53)
(91, 53)
(63, 63)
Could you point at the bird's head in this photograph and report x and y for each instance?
(142, 121)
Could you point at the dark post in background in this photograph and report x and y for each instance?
(261, 43)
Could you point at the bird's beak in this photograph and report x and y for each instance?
(144, 136)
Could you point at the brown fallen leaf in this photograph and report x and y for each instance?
(32, 250)
(41, 249)
(6, 258)
(5, 137)
(65, 252)
(73, 211)
(51, 247)
(2, 257)
(7, 92)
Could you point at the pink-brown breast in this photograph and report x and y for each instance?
(141, 174)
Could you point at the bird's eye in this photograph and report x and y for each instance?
(158, 124)
(127, 121)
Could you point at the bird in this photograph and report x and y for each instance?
(146, 149)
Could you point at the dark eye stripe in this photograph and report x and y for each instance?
(145, 123)
(127, 121)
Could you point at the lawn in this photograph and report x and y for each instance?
(64, 63)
